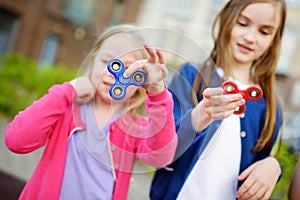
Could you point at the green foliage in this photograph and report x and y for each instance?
(22, 81)
(288, 159)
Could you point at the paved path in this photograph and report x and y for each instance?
(140, 182)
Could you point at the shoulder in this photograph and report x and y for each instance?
(189, 69)
(186, 74)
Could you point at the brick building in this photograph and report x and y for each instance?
(53, 32)
(59, 32)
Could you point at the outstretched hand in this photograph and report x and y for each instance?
(259, 179)
(155, 68)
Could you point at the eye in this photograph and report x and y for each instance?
(103, 60)
(265, 32)
(241, 23)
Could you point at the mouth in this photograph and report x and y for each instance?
(107, 84)
(244, 48)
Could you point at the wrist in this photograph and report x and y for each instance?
(155, 88)
(200, 118)
(276, 163)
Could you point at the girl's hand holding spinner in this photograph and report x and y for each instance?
(148, 73)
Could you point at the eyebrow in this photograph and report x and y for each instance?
(107, 55)
(264, 25)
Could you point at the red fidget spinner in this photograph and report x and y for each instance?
(251, 93)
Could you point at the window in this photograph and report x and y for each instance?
(79, 11)
(8, 27)
(116, 17)
(293, 4)
(49, 51)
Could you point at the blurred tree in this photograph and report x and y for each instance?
(22, 82)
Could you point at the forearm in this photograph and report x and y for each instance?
(31, 128)
(161, 119)
(158, 148)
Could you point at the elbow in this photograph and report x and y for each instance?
(17, 148)
(16, 144)
(12, 139)
(11, 144)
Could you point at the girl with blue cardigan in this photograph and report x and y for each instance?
(221, 155)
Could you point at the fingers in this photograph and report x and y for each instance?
(219, 105)
(246, 172)
(210, 92)
(268, 194)
(161, 57)
(151, 53)
(137, 65)
(245, 190)
(154, 55)
(255, 191)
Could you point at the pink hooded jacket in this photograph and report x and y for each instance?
(51, 120)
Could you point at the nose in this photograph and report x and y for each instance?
(250, 35)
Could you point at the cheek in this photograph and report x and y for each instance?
(96, 75)
(235, 33)
(234, 36)
(94, 78)
(264, 45)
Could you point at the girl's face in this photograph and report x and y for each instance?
(118, 46)
(254, 32)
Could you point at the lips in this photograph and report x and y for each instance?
(107, 84)
(244, 49)
(108, 80)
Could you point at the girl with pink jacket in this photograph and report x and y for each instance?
(91, 140)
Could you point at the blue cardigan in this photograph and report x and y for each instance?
(167, 182)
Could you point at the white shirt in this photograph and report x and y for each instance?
(214, 174)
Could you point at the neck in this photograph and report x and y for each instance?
(105, 111)
(241, 72)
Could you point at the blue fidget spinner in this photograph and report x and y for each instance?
(118, 89)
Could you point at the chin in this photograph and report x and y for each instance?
(242, 59)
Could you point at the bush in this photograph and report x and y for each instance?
(22, 81)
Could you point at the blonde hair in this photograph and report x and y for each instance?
(262, 75)
(136, 102)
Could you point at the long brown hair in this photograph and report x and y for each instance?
(261, 75)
